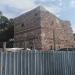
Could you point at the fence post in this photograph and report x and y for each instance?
(4, 45)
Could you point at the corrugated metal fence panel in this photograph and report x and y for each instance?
(37, 63)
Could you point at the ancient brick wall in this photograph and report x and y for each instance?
(55, 32)
(40, 29)
(28, 30)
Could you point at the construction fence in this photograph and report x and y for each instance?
(37, 63)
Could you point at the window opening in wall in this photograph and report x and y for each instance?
(36, 14)
(31, 47)
(58, 47)
(51, 48)
(52, 23)
(22, 25)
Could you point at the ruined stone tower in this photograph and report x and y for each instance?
(39, 29)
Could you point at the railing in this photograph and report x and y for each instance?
(37, 63)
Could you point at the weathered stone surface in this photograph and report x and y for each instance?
(74, 40)
(42, 30)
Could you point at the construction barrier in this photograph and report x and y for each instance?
(37, 63)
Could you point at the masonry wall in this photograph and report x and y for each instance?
(28, 30)
(42, 30)
(56, 33)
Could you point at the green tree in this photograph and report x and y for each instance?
(6, 29)
(1, 13)
(4, 22)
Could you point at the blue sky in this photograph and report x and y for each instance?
(64, 9)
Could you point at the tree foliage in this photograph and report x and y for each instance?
(1, 13)
(6, 28)
(4, 22)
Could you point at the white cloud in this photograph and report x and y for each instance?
(19, 4)
(72, 3)
(54, 9)
(42, 0)
(25, 5)
(60, 2)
